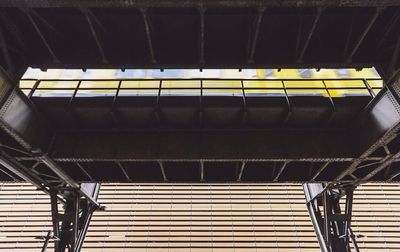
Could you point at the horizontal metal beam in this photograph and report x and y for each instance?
(158, 65)
(201, 145)
(195, 3)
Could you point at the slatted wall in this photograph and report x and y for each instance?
(178, 217)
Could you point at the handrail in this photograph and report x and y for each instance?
(283, 87)
(207, 79)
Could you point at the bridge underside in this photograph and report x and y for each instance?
(57, 143)
(192, 138)
(200, 34)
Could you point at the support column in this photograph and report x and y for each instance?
(70, 226)
(332, 224)
(32, 134)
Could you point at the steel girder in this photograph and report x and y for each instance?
(20, 119)
(70, 226)
(44, 34)
(377, 131)
(196, 3)
(332, 224)
(369, 146)
(29, 130)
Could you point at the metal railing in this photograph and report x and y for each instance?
(201, 87)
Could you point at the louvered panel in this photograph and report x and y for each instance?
(244, 217)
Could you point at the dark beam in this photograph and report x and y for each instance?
(42, 37)
(70, 225)
(378, 11)
(58, 171)
(320, 170)
(202, 36)
(393, 176)
(310, 34)
(196, 145)
(87, 13)
(85, 220)
(383, 164)
(280, 171)
(21, 120)
(241, 171)
(44, 21)
(9, 174)
(195, 3)
(392, 71)
(147, 27)
(201, 171)
(13, 29)
(54, 217)
(332, 225)
(148, 65)
(254, 35)
(84, 171)
(387, 30)
(349, 33)
(6, 54)
(163, 171)
(377, 126)
(121, 166)
(26, 174)
(299, 31)
(17, 113)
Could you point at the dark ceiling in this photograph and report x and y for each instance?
(200, 34)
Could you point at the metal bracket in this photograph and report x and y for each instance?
(332, 225)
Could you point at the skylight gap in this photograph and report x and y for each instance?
(196, 82)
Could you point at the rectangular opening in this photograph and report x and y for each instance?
(206, 82)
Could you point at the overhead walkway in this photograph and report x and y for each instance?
(216, 130)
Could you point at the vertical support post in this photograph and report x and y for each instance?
(54, 217)
(70, 226)
(332, 226)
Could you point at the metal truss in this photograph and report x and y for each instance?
(79, 199)
(70, 225)
(382, 119)
(52, 37)
(331, 221)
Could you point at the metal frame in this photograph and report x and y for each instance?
(332, 224)
(194, 3)
(79, 199)
(201, 88)
(70, 226)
